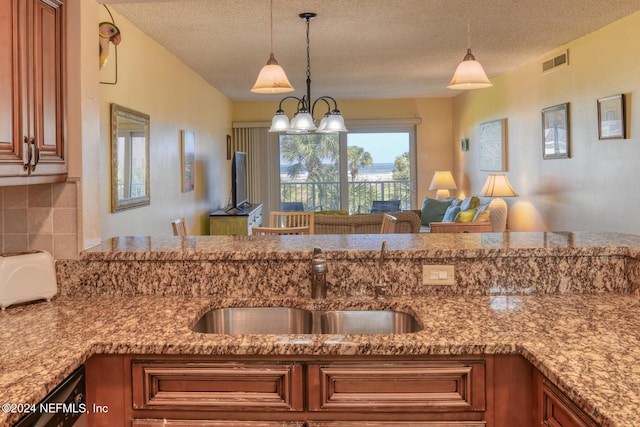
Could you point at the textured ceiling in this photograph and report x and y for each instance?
(363, 48)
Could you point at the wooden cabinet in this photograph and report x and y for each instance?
(32, 124)
(397, 387)
(213, 423)
(554, 409)
(235, 222)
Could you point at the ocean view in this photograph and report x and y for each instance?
(376, 172)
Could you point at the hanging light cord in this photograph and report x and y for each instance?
(271, 25)
(468, 25)
(308, 18)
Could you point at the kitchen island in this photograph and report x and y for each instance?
(581, 334)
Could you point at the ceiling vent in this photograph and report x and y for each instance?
(556, 62)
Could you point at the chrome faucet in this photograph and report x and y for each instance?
(318, 274)
(380, 288)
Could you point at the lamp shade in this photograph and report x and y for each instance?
(442, 180)
(497, 185)
(302, 122)
(272, 79)
(332, 123)
(280, 122)
(469, 75)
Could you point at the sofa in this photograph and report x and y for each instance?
(339, 222)
(471, 214)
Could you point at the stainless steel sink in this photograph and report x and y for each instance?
(368, 322)
(289, 320)
(255, 320)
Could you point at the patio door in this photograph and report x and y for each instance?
(347, 171)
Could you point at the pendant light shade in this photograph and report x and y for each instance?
(469, 74)
(272, 78)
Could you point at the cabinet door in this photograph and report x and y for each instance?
(48, 126)
(208, 423)
(12, 83)
(398, 424)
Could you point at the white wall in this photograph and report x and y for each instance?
(151, 80)
(592, 190)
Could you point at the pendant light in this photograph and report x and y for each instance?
(469, 74)
(272, 78)
(303, 121)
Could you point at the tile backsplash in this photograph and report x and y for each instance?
(41, 217)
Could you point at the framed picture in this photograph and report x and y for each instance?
(611, 118)
(556, 132)
(188, 160)
(464, 144)
(493, 146)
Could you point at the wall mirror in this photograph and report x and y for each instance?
(129, 159)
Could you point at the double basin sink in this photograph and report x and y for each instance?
(290, 320)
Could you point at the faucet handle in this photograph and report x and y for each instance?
(380, 290)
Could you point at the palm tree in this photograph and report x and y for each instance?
(358, 158)
(309, 153)
(401, 167)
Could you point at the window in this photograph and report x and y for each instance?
(349, 171)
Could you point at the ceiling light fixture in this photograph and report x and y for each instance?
(303, 121)
(272, 78)
(469, 74)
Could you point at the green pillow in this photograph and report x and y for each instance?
(433, 210)
(451, 213)
(466, 216)
(469, 203)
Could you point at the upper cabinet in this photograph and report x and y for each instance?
(32, 122)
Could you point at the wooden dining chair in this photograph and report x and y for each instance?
(264, 231)
(388, 224)
(292, 219)
(179, 227)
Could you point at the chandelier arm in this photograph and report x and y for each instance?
(300, 101)
(324, 98)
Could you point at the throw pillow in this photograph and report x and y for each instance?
(482, 214)
(433, 210)
(469, 203)
(466, 216)
(451, 213)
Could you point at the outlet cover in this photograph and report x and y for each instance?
(438, 275)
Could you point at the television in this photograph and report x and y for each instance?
(239, 181)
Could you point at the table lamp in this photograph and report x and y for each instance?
(443, 182)
(497, 185)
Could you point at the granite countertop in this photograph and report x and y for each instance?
(589, 345)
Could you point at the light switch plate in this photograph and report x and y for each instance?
(438, 275)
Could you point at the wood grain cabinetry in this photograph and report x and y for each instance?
(554, 409)
(235, 222)
(32, 124)
(327, 391)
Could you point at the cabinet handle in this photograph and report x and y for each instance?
(36, 154)
(26, 154)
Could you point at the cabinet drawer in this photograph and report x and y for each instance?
(207, 423)
(559, 411)
(412, 386)
(217, 386)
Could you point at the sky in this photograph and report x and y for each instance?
(383, 147)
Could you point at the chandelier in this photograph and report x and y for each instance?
(303, 121)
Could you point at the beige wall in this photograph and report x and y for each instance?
(592, 190)
(432, 135)
(153, 81)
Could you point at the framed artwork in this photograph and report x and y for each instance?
(464, 144)
(188, 159)
(556, 132)
(611, 118)
(493, 146)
